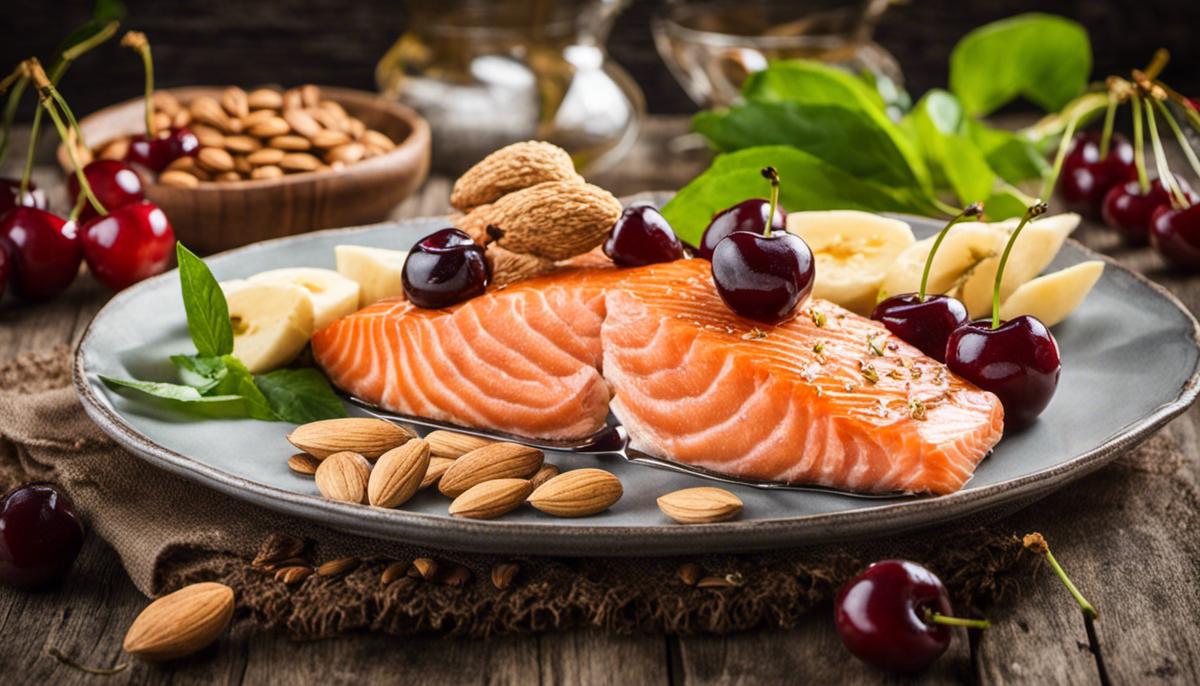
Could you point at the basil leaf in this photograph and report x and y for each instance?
(300, 395)
(935, 123)
(810, 83)
(809, 183)
(103, 13)
(180, 398)
(201, 373)
(204, 302)
(1043, 58)
(859, 141)
(1012, 157)
(239, 381)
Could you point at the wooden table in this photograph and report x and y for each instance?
(1127, 534)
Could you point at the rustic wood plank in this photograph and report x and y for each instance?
(594, 657)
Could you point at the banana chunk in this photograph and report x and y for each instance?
(1052, 297)
(333, 295)
(377, 271)
(272, 322)
(965, 247)
(1033, 251)
(853, 251)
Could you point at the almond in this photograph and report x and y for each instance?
(491, 499)
(180, 623)
(299, 162)
(186, 163)
(275, 126)
(700, 505)
(328, 139)
(452, 444)
(310, 95)
(242, 144)
(235, 102)
(290, 143)
(366, 436)
(267, 171)
(115, 150)
(547, 472)
(346, 154)
(343, 476)
(264, 99)
(178, 179)
(373, 138)
(509, 169)
(437, 467)
(493, 461)
(398, 474)
(215, 159)
(162, 122)
(510, 267)
(339, 567)
(577, 493)
(303, 463)
(181, 119)
(554, 220)
(166, 102)
(302, 123)
(209, 137)
(265, 156)
(207, 110)
(257, 117)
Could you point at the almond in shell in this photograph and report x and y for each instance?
(344, 476)
(577, 493)
(509, 169)
(554, 220)
(491, 499)
(398, 474)
(365, 436)
(493, 461)
(700, 505)
(180, 623)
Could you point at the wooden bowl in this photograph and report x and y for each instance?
(225, 214)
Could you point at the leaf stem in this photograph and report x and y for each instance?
(770, 174)
(973, 210)
(1035, 210)
(137, 41)
(1037, 543)
(932, 617)
(1165, 177)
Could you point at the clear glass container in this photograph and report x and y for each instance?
(712, 46)
(486, 73)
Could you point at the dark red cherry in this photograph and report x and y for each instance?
(1018, 361)
(764, 278)
(11, 188)
(642, 236)
(130, 243)
(1128, 209)
(114, 183)
(881, 616)
(156, 153)
(925, 324)
(45, 250)
(40, 536)
(1175, 233)
(747, 215)
(6, 260)
(444, 268)
(1085, 178)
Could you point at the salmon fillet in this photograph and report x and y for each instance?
(841, 404)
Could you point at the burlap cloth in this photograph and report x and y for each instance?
(169, 532)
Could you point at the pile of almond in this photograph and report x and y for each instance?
(532, 209)
(263, 134)
(375, 462)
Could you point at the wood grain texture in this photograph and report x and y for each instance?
(1126, 534)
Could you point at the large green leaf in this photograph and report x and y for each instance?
(808, 183)
(1013, 157)
(179, 398)
(239, 381)
(935, 123)
(811, 83)
(1041, 57)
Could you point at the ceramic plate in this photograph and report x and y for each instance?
(1130, 363)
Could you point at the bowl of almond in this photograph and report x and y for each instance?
(267, 162)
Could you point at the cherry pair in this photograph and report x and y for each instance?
(154, 149)
(1017, 360)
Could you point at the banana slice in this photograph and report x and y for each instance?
(272, 323)
(1039, 242)
(1052, 297)
(232, 286)
(964, 248)
(853, 251)
(377, 271)
(333, 295)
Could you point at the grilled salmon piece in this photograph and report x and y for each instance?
(828, 398)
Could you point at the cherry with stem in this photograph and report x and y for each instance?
(151, 149)
(1036, 543)
(925, 321)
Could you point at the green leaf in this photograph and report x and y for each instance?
(204, 302)
(181, 398)
(201, 373)
(808, 183)
(811, 83)
(1005, 203)
(954, 158)
(1013, 157)
(1044, 58)
(300, 395)
(104, 12)
(859, 141)
(239, 381)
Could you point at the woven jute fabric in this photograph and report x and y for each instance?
(169, 531)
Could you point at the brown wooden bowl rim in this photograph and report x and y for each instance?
(417, 140)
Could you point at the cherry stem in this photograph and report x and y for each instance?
(46, 92)
(973, 210)
(1157, 63)
(1063, 144)
(79, 203)
(1160, 161)
(1139, 146)
(932, 617)
(98, 671)
(1188, 152)
(137, 41)
(1109, 115)
(1037, 543)
(770, 174)
(1037, 209)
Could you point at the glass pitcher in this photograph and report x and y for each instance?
(486, 73)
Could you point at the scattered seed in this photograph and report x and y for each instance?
(457, 575)
(303, 463)
(392, 572)
(423, 568)
(293, 575)
(504, 573)
(339, 567)
(690, 573)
